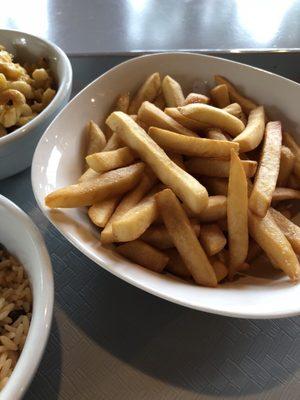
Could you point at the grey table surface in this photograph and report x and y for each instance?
(123, 26)
(110, 340)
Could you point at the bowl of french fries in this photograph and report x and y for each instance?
(35, 84)
(179, 173)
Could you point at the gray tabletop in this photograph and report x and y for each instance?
(123, 26)
(111, 341)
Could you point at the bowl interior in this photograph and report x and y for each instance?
(58, 162)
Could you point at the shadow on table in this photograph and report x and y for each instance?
(195, 351)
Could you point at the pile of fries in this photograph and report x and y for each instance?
(195, 185)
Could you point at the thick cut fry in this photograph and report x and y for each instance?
(287, 160)
(220, 269)
(213, 116)
(160, 101)
(212, 239)
(159, 237)
(153, 116)
(185, 239)
(217, 167)
(216, 134)
(172, 92)
(268, 169)
(271, 239)
(96, 140)
(100, 212)
(147, 92)
(253, 134)
(196, 98)
(184, 121)
(215, 210)
(215, 186)
(188, 189)
(246, 104)
(108, 160)
(220, 96)
(176, 265)
(290, 142)
(130, 200)
(281, 194)
(290, 230)
(88, 174)
(143, 254)
(135, 222)
(234, 109)
(122, 103)
(89, 192)
(237, 214)
(113, 143)
(191, 146)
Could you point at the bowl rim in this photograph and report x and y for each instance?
(40, 325)
(66, 82)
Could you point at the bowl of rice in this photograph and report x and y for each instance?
(26, 299)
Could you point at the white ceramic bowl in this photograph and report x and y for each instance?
(58, 161)
(17, 148)
(22, 239)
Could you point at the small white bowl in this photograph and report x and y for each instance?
(17, 148)
(22, 239)
(59, 158)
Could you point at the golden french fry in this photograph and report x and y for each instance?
(253, 133)
(287, 160)
(172, 92)
(237, 214)
(188, 123)
(217, 168)
(153, 116)
(122, 103)
(143, 254)
(177, 159)
(246, 104)
(176, 265)
(96, 140)
(184, 238)
(196, 98)
(188, 189)
(113, 143)
(147, 92)
(220, 96)
(212, 239)
(234, 109)
(88, 174)
(220, 269)
(160, 101)
(100, 212)
(293, 182)
(253, 251)
(158, 236)
(89, 192)
(130, 200)
(271, 239)
(215, 186)
(216, 134)
(281, 194)
(109, 160)
(191, 146)
(213, 116)
(290, 230)
(268, 169)
(215, 210)
(290, 142)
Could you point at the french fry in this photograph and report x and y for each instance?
(158, 236)
(212, 239)
(153, 116)
(100, 212)
(253, 251)
(147, 92)
(191, 146)
(234, 109)
(220, 269)
(109, 160)
(177, 159)
(185, 239)
(89, 192)
(271, 239)
(287, 160)
(143, 254)
(290, 230)
(176, 265)
(217, 168)
(237, 218)
(223, 224)
(268, 169)
(113, 143)
(172, 92)
(160, 101)
(196, 98)
(213, 116)
(129, 201)
(281, 194)
(215, 186)
(122, 103)
(184, 121)
(96, 140)
(188, 189)
(246, 104)
(253, 133)
(216, 134)
(293, 182)
(215, 210)
(88, 174)
(220, 96)
(290, 142)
